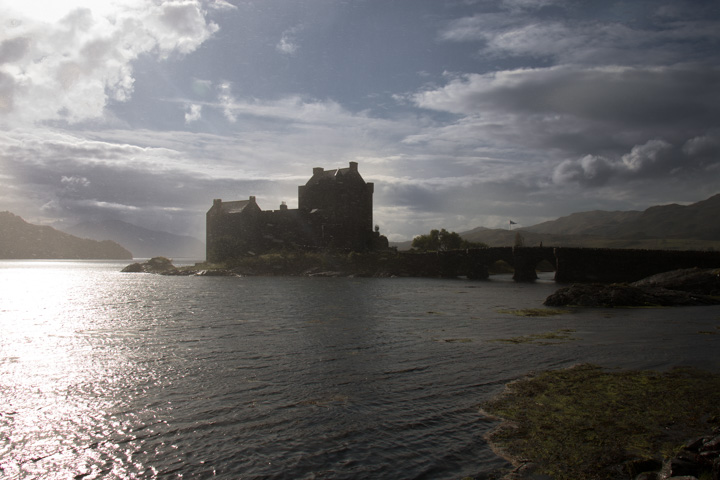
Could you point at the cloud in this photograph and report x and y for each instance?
(703, 148)
(74, 178)
(646, 157)
(588, 170)
(194, 113)
(575, 110)
(656, 158)
(227, 101)
(561, 35)
(221, 5)
(71, 69)
(93, 172)
(287, 45)
(632, 95)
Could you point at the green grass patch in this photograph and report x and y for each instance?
(585, 422)
(534, 312)
(547, 338)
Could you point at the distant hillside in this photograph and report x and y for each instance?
(142, 242)
(665, 227)
(696, 221)
(597, 222)
(21, 240)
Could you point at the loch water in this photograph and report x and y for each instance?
(112, 375)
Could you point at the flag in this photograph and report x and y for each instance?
(512, 223)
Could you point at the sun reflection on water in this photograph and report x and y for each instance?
(60, 388)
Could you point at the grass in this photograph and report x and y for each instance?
(585, 422)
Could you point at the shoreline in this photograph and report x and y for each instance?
(370, 265)
(589, 422)
(684, 287)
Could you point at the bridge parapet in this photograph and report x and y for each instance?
(603, 265)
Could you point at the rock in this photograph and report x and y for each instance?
(687, 287)
(599, 295)
(330, 273)
(133, 268)
(705, 281)
(648, 476)
(685, 464)
(712, 445)
(647, 467)
(160, 265)
(689, 464)
(220, 272)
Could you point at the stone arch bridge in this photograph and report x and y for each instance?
(570, 264)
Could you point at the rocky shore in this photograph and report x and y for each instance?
(164, 266)
(305, 264)
(588, 422)
(686, 287)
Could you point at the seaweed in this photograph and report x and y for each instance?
(586, 422)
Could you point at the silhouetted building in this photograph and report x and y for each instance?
(334, 210)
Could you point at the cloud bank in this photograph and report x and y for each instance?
(71, 69)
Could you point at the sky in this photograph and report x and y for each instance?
(464, 113)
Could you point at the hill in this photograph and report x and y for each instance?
(597, 222)
(21, 240)
(142, 242)
(695, 221)
(663, 227)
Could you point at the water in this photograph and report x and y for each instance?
(112, 375)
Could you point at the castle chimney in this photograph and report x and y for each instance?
(252, 199)
(283, 206)
(353, 166)
(318, 170)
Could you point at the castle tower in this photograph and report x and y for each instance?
(338, 204)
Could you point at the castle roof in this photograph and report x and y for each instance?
(320, 174)
(235, 207)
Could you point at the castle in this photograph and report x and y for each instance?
(335, 210)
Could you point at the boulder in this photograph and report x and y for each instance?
(686, 287)
(160, 265)
(704, 281)
(620, 295)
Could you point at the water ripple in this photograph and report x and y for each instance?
(109, 375)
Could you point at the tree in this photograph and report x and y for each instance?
(427, 242)
(442, 240)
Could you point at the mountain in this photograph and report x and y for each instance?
(142, 242)
(696, 221)
(664, 227)
(20, 240)
(597, 222)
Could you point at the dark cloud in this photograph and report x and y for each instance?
(628, 97)
(14, 49)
